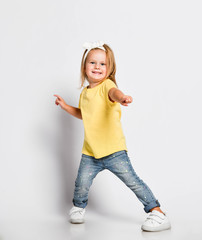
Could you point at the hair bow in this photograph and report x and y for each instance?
(89, 45)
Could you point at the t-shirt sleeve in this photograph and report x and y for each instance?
(108, 85)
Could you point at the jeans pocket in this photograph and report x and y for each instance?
(117, 154)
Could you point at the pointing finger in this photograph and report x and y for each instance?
(56, 96)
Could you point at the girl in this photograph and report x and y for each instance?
(104, 144)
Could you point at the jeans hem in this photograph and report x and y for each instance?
(152, 205)
(80, 206)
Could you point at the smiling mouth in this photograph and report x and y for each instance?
(96, 72)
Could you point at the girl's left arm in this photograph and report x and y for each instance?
(115, 95)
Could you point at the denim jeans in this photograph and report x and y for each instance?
(119, 164)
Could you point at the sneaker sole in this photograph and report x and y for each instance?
(76, 221)
(156, 229)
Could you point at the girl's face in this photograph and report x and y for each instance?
(96, 67)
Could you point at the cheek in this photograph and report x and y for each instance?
(105, 70)
(87, 69)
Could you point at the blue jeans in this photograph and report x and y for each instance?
(119, 164)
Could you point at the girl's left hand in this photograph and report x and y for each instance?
(125, 100)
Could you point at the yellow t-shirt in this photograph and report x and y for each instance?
(103, 134)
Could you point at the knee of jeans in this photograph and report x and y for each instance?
(137, 185)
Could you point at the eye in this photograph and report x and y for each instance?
(92, 62)
(103, 64)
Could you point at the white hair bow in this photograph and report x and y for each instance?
(89, 45)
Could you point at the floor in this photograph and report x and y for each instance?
(98, 227)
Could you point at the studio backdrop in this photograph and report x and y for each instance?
(157, 46)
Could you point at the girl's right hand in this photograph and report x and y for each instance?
(60, 101)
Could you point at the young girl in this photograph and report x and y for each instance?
(104, 144)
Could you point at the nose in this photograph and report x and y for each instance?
(97, 66)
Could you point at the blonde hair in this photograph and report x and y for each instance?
(111, 65)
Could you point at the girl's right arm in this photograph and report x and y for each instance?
(76, 112)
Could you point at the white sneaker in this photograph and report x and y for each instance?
(156, 221)
(77, 215)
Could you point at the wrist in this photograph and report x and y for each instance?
(64, 107)
(121, 97)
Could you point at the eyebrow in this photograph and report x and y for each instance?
(93, 60)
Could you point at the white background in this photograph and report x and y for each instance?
(158, 50)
